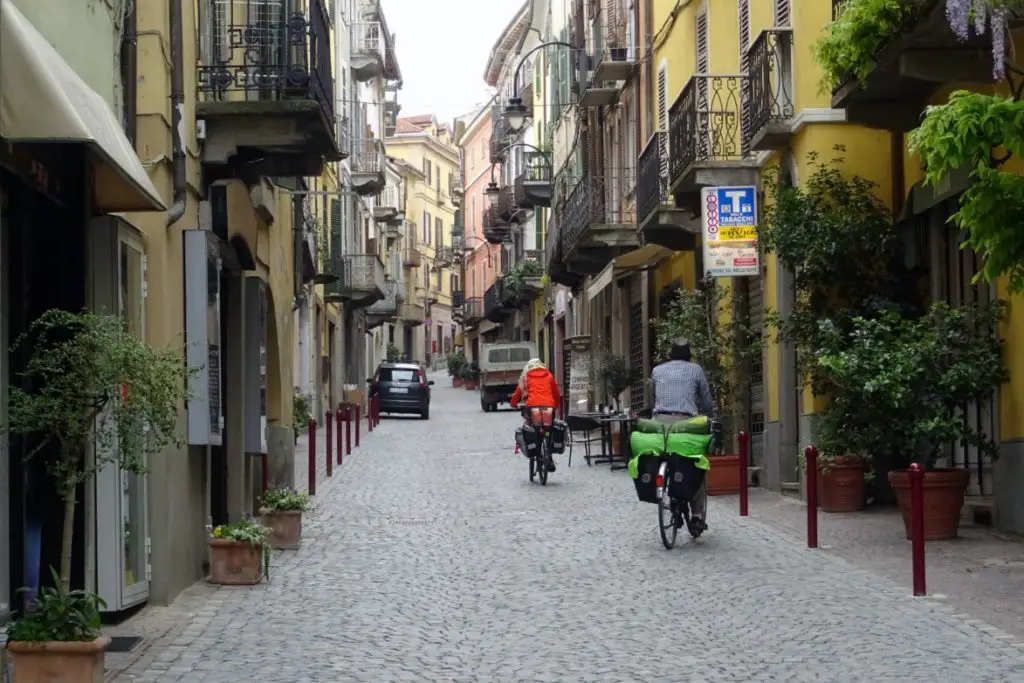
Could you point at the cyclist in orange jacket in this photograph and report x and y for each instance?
(538, 387)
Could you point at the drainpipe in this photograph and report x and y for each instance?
(177, 209)
(130, 72)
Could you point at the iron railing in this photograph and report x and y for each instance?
(458, 297)
(472, 309)
(653, 186)
(367, 39)
(838, 7)
(597, 200)
(362, 272)
(496, 297)
(367, 156)
(499, 134)
(266, 50)
(536, 169)
(770, 87)
(552, 240)
(704, 123)
(495, 230)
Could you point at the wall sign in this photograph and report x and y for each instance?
(729, 219)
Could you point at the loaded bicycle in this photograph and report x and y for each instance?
(538, 439)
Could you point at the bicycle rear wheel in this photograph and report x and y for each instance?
(666, 518)
(542, 462)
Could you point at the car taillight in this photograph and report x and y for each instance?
(423, 378)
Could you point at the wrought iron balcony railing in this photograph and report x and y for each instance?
(499, 134)
(704, 123)
(552, 241)
(495, 229)
(260, 50)
(367, 156)
(472, 309)
(653, 176)
(597, 201)
(458, 297)
(770, 86)
(532, 186)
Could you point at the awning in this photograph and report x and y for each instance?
(43, 100)
(638, 259)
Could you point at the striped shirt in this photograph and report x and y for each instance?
(680, 387)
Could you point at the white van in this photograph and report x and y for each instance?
(501, 364)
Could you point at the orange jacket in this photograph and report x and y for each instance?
(541, 390)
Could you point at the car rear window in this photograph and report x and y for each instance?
(397, 375)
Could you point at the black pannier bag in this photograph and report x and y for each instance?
(684, 477)
(646, 479)
(530, 440)
(559, 432)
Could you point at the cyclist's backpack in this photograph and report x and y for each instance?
(559, 430)
(530, 440)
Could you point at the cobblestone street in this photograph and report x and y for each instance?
(430, 557)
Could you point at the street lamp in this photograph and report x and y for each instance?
(492, 192)
(515, 113)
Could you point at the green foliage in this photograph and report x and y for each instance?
(393, 353)
(58, 615)
(302, 411)
(285, 500)
(456, 364)
(515, 278)
(471, 371)
(720, 342)
(968, 130)
(249, 532)
(904, 381)
(851, 43)
(614, 373)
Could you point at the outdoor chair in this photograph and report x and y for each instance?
(581, 431)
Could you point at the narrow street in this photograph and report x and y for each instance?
(432, 558)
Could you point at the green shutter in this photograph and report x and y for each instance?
(334, 249)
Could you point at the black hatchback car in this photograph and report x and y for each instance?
(403, 388)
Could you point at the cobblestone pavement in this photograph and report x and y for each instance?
(432, 558)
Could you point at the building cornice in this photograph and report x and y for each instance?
(429, 141)
(507, 44)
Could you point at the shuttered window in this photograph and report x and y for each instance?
(702, 41)
(662, 126)
(335, 231)
(745, 89)
(782, 17)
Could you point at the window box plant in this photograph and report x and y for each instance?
(282, 510)
(239, 553)
(91, 395)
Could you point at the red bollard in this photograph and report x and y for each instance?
(264, 473)
(744, 463)
(376, 410)
(369, 413)
(359, 410)
(348, 429)
(811, 457)
(916, 475)
(330, 443)
(312, 456)
(341, 457)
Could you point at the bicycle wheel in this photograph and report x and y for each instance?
(533, 462)
(666, 518)
(542, 462)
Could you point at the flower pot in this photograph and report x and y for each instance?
(943, 498)
(724, 476)
(58, 661)
(841, 488)
(285, 528)
(470, 385)
(235, 564)
(456, 382)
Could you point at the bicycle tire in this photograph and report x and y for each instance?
(669, 533)
(542, 463)
(532, 466)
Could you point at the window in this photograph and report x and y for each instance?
(782, 12)
(427, 170)
(426, 227)
(396, 375)
(437, 180)
(451, 181)
(439, 232)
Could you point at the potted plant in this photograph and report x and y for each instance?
(903, 382)
(92, 394)
(456, 365)
(239, 553)
(721, 344)
(302, 411)
(393, 354)
(471, 377)
(282, 510)
(615, 375)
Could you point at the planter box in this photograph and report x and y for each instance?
(943, 499)
(456, 382)
(285, 528)
(841, 489)
(235, 564)
(470, 384)
(724, 477)
(63, 662)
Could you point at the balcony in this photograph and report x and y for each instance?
(456, 188)
(265, 87)
(393, 231)
(532, 187)
(388, 207)
(557, 270)
(472, 311)
(496, 231)
(385, 310)
(499, 303)
(598, 223)
(360, 281)
(769, 90)
(611, 56)
(411, 255)
(458, 298)
(368, 165)
(705, 139)
(506, 210)
(911, 66)
(499, 135)
(368, 50)
(411, 315)
(659, 221)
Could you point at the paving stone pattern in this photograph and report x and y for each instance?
(430, 557)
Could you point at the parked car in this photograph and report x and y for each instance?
(403, 389)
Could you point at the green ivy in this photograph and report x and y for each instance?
(393, 354)
(851, 43)
(981, 132)
(515, 278)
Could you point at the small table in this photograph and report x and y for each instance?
(608, 422)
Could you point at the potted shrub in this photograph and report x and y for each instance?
(841, 471)
(393, 354)
(282, 510)
(302, 411)
(722, 344)
(91, 395)
(456, 365)
(471, 377)
(904, 381)
(239, 553)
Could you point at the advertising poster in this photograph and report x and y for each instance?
(729, 218)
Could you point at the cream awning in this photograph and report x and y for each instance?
(43, 100)
(637, 259)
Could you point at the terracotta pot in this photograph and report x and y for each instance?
(456, 382)
(63, 662)
(235, 564)
(285, 528)
(943, 498)
(724, 476)
(841, 488)
(470, 385)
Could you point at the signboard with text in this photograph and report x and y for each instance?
(729, 220)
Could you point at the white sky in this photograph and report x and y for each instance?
(443, 46)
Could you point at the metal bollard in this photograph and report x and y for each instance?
(916, 475)
(744, 463)
(348, 429)
(369, 413)
(312, 456)
(811, 458)
(358, 418)
(330, 442)
(338, 445)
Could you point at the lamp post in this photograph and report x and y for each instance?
(515, 111)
